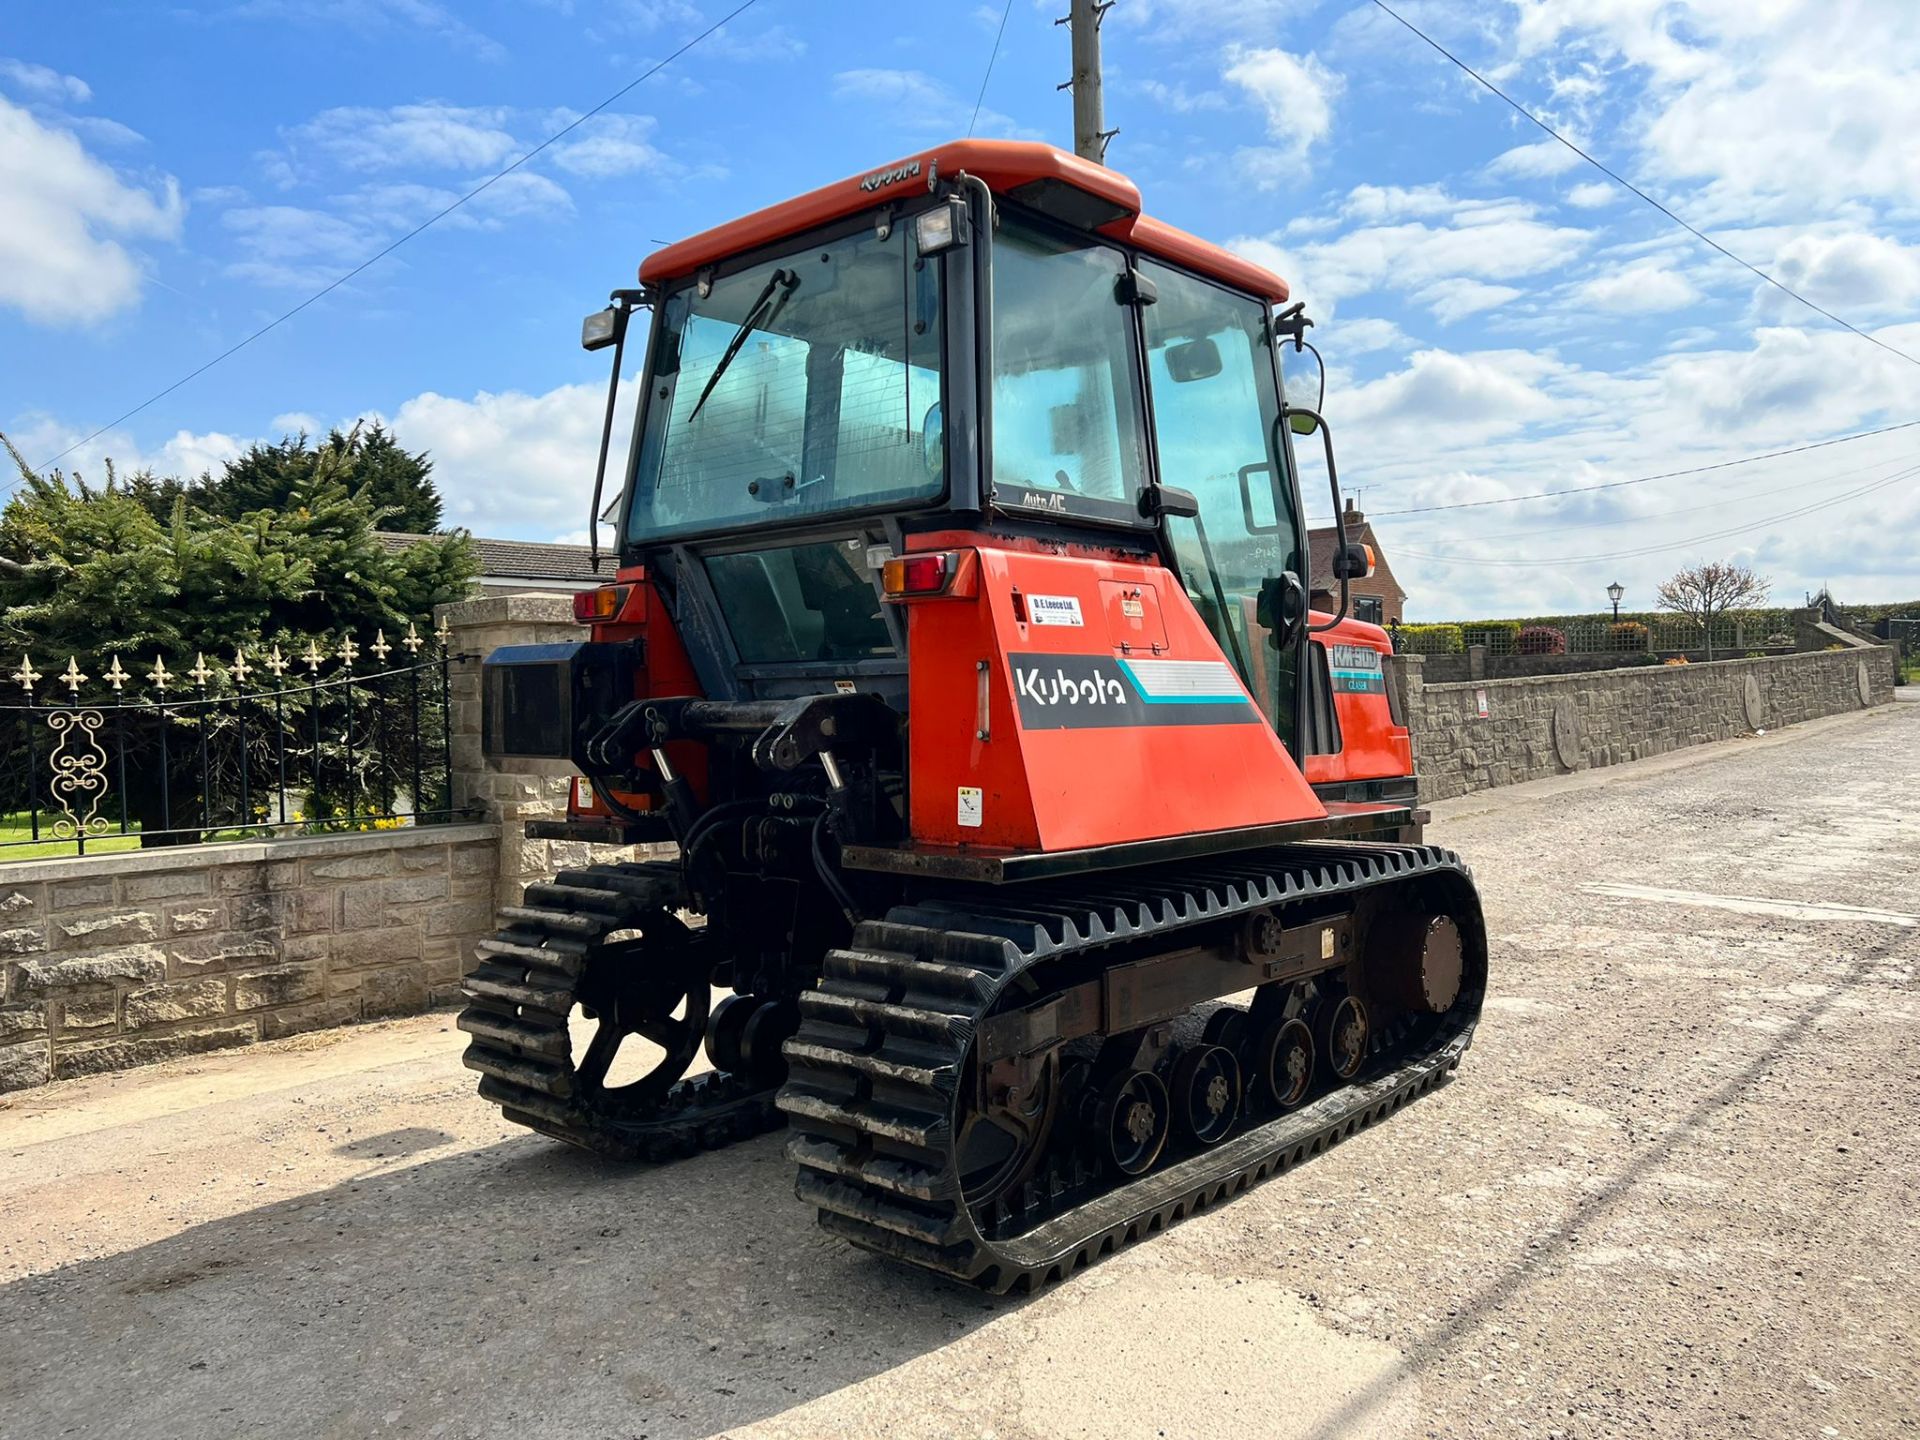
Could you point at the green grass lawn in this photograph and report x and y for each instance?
(18, 826)
(1910, 671)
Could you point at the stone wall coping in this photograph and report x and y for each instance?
(540, 609)
(239, 852)
(1590, 676)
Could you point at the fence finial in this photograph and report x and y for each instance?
(348, 651)
(159, 674)
(380, 647)
(413, 642)
(276, 662)
(239, 669)
(117, 677)
(26, 674)
(73, 678)
(200, 673)
(313, 659)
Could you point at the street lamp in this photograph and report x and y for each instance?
(1614, 592)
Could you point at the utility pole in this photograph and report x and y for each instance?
(1090, 136)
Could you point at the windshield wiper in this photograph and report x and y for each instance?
(765, 306)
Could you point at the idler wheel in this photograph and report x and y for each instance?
(1284, 1062)
(725, 1028)
(1344, 1036)
(771, 1025)
(1416, 961)
(1227, 1026)
(1132, 1116)
(1206, 1093)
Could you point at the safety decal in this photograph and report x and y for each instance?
(1082, 692)
(1355, 669)
(972, 806)
(1054, 610)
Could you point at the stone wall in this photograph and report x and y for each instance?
(1551, 725)
(116, 960)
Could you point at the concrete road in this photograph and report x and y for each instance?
(1674, 1191)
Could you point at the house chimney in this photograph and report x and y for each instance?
(1353, 516)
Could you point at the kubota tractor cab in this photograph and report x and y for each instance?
(959, 642)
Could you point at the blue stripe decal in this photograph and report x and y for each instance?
(1237, 698)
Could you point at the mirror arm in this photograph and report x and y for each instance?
(1339, 517)
(624, 303)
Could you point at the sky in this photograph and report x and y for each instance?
(1497, 317)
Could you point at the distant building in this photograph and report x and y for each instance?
(1378, 599)
(517, 567)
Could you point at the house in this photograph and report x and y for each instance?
(517, 567)
(1378, 599)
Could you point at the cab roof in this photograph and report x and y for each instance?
(1052, 181)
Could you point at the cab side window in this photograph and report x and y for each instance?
(1067, 429)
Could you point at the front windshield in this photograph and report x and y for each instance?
(830, 402)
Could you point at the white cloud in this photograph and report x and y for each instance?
(511, 463)
(429, 135)
(1181, 100)
(1490, 241)
(1363, 336)
(1646, 287)
(611, 145)
(1592, 194)
(1795, 104)
(42, 82)
(1458, 298)
(62, 206)
(1172, 20)
(377, 17)
(1851, 272)
(299, 247)
(1440, 392)
(914, 101)
(1533, 162)
(1296, 94)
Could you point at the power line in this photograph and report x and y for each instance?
(430, 221)
(979, 99)
(1559, 528)
(1627, 184)
(1645, 479)
(1560, 560)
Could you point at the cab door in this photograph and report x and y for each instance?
(1215, 402)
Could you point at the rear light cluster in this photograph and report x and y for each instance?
(925, 574)
(602, 603)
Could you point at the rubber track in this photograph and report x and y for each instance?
(876, 1065)
(521, 993)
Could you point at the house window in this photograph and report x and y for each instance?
(1367, 608)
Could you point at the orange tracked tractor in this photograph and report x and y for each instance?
(1057, 864)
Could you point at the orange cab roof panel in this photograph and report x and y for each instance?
(1005, 166)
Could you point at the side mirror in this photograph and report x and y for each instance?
(1195, 360)
(1355, 564)
(1302, 422)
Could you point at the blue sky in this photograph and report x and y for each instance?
(1497, 317)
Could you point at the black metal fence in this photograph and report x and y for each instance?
(340, 737)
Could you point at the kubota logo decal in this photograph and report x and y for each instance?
(1079, 692)
(1061, 688)
(891, 177)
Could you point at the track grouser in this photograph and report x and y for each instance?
(1053, 858)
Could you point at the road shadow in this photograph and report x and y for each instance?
(1541, 1256)
(521, 1289)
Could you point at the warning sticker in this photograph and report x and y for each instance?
(1054, 610)
(843, 687)
(971, 806)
